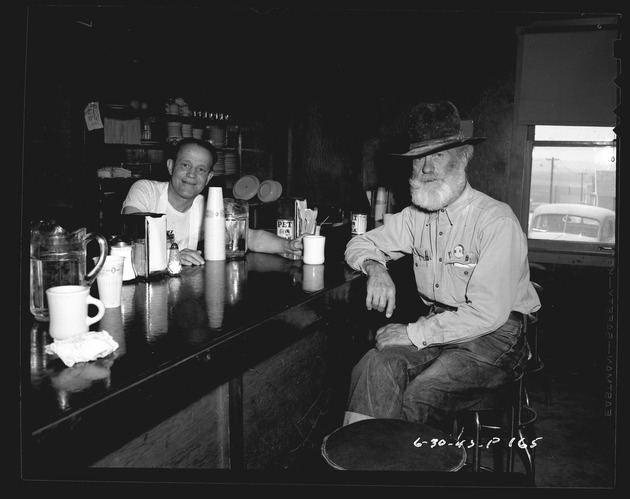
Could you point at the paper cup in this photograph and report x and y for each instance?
(110, 279)
(214, 205)
(214, 239)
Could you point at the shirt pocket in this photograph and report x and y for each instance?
(422, 267)
(458, 273)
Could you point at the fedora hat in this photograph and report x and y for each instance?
(435, 126)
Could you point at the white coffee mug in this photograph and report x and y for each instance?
(68, 310)
(313, 249)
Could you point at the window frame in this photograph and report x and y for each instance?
(519, 185)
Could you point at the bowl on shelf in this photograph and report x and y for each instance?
(269, 191)
(246, 187)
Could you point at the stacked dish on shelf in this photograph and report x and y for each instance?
(174, 129)
(231, 162)
(216, 136)
(187, 130)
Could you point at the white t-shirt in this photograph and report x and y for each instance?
(152, 196)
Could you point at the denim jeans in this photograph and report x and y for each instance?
(432, 384)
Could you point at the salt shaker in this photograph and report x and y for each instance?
(174, 264)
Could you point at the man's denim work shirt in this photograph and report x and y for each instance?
(471, 255)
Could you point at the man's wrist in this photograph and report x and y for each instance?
(369, 261)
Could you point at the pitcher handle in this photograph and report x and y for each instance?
(102, 242)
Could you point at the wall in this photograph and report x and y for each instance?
(341, 81)
(372, 70)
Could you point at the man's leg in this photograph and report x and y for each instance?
(379, 380)
(465, 373)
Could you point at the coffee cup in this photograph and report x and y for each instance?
(313, 249)
(69, 311)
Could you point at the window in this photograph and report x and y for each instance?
(563, 169)
(572, 187)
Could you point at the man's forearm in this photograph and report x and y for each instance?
(266, 242)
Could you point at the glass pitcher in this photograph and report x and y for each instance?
(58, 257)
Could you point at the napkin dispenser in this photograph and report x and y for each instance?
(148, 233)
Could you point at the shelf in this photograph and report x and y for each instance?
(151, 144)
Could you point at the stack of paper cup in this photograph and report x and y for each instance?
(214, 226)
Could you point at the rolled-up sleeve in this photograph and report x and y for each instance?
(383, 244)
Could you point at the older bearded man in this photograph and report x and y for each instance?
(470, 266)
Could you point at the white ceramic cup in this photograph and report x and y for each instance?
(312, 277)
(313, 249)
(110, 281)
(68, 306)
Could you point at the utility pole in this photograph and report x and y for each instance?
(551, 179)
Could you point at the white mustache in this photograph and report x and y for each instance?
(420, 181)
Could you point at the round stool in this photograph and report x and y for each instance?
(392, 444)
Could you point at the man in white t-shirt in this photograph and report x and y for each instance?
(181, 200)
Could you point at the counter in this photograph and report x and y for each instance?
(228, 366)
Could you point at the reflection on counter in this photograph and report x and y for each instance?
(215, 292)
(152, 299)
(78, 378)
(312, 277)
(112, 322)
(236, 280)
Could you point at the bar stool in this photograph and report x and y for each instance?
(513, 416)
(533, 328)
(392, 445)
(505, 414)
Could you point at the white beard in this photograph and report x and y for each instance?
(437, 194)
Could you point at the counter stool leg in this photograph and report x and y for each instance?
(476, 456)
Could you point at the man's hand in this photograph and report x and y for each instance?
(381, 291)
(191, 257)
(392, 335)
(295, 246)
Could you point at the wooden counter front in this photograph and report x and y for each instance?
(232, 365)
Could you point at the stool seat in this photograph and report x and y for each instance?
(392, 445)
